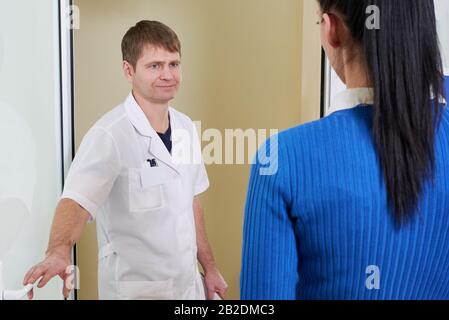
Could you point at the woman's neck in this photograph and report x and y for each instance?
(356, 74)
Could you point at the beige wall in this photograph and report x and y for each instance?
(246, 64)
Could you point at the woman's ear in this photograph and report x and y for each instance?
(332, 24)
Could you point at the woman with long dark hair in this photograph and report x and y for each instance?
(359, 205)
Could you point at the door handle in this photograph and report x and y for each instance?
(16, 294)
(12, 295)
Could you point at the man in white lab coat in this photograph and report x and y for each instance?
(138, 172)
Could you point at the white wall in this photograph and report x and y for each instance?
(30, 162)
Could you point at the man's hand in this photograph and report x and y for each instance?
(55, 263)
(215, 284)
(213, 279)
(68, 224)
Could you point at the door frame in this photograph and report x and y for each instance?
(67, 99)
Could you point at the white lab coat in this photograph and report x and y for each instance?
(145, 222)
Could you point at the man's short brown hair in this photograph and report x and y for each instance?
(146, 33)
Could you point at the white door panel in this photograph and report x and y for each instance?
(30, 136)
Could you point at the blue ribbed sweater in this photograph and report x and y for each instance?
(313, 229)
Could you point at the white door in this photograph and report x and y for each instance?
(31, 136)
(333, 85)
(442, 10)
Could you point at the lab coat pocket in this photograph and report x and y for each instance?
(154, 176)
(146, 290)
(143, 195)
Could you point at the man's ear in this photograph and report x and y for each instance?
(332, 29)
(128, 71)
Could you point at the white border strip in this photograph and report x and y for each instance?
(327, 86)
(67, 91)
(66, 69)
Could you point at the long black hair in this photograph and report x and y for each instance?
(404, 61)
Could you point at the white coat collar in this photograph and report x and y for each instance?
(351, 98)
(140, 122)
(139, 119)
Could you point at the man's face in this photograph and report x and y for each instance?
(157, 75)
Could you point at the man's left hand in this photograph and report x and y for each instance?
(215, 283)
